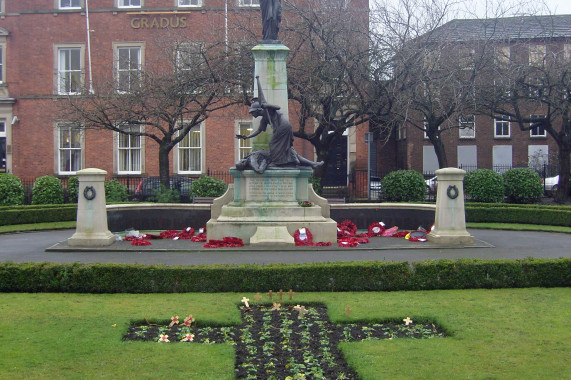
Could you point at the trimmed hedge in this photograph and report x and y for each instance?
(37, 214)
(502, 213)
(350, 276)
(11, 190)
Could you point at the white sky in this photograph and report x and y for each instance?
(480, 8)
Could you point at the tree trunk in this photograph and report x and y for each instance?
(440, 151)
(562, 193)
(164, 165)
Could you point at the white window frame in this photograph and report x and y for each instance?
(121, 4)
(567, 52)
(58, 49)
(63, 151)
(129, 168)
(119, 71)
(249, 3)
(537, 54)
(532, 131)
(60, 4)
(401, 132)
(242, 147)
(462, 122)
(466, 57)
(3, 134)
(2, 60)
(180, 150)
(181, 3)
(502, 120)
(502, 54)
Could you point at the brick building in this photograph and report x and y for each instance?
(47, 54)
(474, 139)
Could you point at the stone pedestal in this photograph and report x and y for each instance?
(450, 217)
(91, 229)
(270, 66)
(264, 208)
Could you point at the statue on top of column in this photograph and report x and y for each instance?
(271, 18)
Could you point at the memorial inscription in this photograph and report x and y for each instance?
(271, 189)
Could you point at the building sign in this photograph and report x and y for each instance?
(158, 22)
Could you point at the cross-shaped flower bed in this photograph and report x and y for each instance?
(284, 341)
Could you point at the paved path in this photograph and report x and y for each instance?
(489, 244)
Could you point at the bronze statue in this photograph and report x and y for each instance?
(271, 18)
(282, 153)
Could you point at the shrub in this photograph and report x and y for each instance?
(115, 191)
(404, 186)
(47, 190)
(522, 186)
(72, 189)
(484, 185)
(165, 195)
(316, 184)
(207, 187)
(11, 190)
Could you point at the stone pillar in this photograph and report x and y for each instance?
(450, 217)
(270, 66)
(91, 229)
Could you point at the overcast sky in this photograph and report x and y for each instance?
(482, 7)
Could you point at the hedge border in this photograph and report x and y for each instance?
(349, 276)
(37, 214)
(546, 215)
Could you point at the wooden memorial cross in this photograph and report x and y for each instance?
(280, 341)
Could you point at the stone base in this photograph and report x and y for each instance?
(277, 236)
(262, 209)
(450, 237)
(324, 231)
(102, 239)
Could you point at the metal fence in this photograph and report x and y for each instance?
(357, 187)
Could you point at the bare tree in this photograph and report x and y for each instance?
(331, 77)
(535, 90)
(164, 100)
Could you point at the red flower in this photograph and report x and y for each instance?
(303, 237)
(140, 242)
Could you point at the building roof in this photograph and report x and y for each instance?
(508, 28)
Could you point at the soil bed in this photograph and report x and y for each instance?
(296, 342)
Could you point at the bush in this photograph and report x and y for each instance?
(522, 186)
(28, 214)
(506, 213)
(484, 185)
(115, 192)
(11, 190)
(72, 189)
(165, 195)
(316, 184)
(347, 276)
(404, 186)
(207, 187)
(47, 190)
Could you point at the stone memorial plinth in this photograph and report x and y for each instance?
(91, 228)
(450, 217)
(264, 208)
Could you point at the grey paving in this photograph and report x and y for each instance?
(489, 244)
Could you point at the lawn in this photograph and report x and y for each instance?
(504, 333)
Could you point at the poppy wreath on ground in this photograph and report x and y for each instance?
(302, 237)
(351, 241)
(400, 234)
(169, 234)
(376, 229)
(226, 242)
(140, 242)
(418, 236)
(346, 228)
(188, 233)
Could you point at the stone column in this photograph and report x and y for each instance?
(270, 66)
(91, 229)
(450, 217)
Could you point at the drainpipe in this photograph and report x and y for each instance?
(88, 46)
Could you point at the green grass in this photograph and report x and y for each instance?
(519, 227)
(502, 334)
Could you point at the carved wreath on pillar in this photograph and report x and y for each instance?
(89, 193)
(452, 192)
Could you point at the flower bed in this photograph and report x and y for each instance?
(279, 341)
